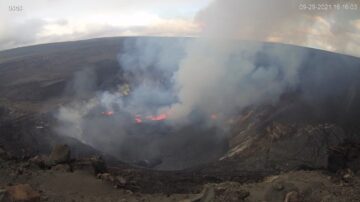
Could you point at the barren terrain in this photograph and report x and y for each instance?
(305, 147)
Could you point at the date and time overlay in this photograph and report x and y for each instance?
(303, 5)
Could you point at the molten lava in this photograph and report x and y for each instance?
(138, 119)
(159, 117)
(107, 113)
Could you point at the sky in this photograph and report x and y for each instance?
(46, 21)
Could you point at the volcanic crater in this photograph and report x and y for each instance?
(83, 95)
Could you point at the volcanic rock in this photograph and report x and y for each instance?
(308, 146)
(21, 193)
(206, 195)
(277, 186)
(290, 146)
(346, 175)
(60, 154)
(278, 191)
(40, 161)
(292, 196)
(106, 177)
(94, 165)
(2, 194)
(98, 164)
(62, 168)
(343, 156)
(121, 181)
(230, 191)
(3, 154)
(149, 163)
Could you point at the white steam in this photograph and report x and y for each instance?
(220, 74)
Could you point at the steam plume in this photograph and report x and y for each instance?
(220, 74)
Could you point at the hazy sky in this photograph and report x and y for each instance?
(43, 21)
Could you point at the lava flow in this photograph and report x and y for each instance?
(108, 113)
(138, 119)
(160, 117)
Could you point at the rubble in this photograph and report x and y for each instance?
(62, 168)
(59, 154)
(21, 193)
(4, 155)
(98, 164)
(278, 190)
(206, 195)
(40, 161)
(2, 194)
(292, 196)
(106, 177)
(94, 165)
(227, 191)
(121, 181)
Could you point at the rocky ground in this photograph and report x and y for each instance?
(297, 150)
(58, 177)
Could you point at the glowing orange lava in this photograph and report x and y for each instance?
(108, 113)
(159, 117)
(138, 119)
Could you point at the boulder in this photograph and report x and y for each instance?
(292, 196)
(2, 194)
(62, 168)
(21, 193)
(98, 164)
(106, 177)
(206, 195)
(4, 155)
(60, 154)
(121, 181)
(40, 161)
(94, 165)
(277, 191)
(230, 191)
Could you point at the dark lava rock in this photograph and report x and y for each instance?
(98, 164)
(295, 146)
(2, 194)
(292, 196)
(149, 163)
(106, 177)
(40, 161)
(307, 147)
(4, 155)
(278, 191)
(59, 154)
(121, 181)
(62, 168)
(346, 155)
(21, 193)
(94, 165)
(230, 191)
